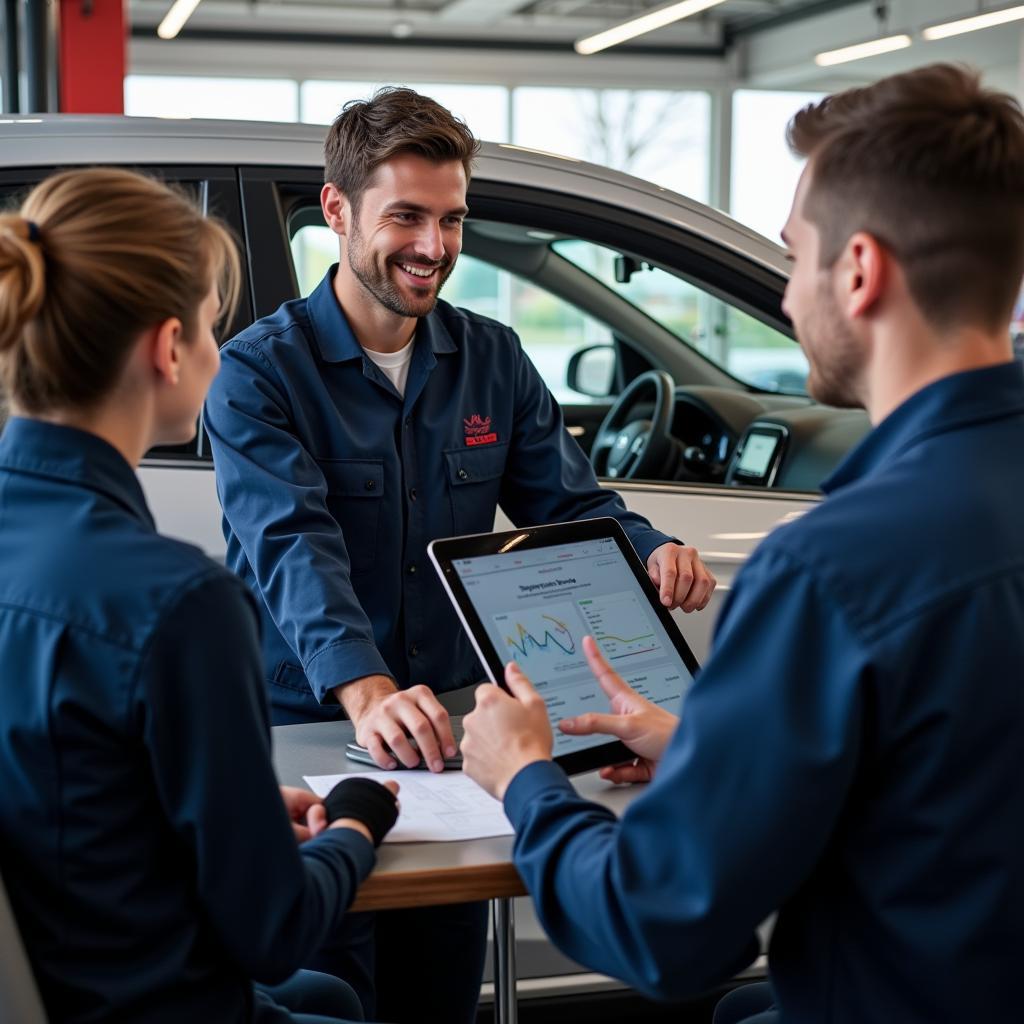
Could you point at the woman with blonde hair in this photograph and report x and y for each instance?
(154, 866)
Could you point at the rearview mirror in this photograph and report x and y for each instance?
(591, 371)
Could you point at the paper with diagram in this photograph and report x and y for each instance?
(434, 808)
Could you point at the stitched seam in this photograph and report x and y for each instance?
(71, 624)
(338, 643)
(943, 597)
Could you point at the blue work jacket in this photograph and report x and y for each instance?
(144, 844)
(852, 754)
(333, 484)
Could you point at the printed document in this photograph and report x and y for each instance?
(434, 808)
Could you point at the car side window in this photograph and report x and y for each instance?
(551, 329)
(745, 348)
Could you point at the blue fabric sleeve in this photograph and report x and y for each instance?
(274, 497)
(740, 810)
(205, 724)
(548, 479)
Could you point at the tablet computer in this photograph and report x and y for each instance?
(531, 596)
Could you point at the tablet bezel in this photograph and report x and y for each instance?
(443, 553)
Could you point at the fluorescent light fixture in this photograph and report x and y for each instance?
(973, 23)
(861, 50)
(645, 23)
(175, 18)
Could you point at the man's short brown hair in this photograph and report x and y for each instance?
(931, 164)
(367, 133)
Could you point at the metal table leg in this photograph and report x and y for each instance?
(506, 1010)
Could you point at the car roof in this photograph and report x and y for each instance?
(66, 140)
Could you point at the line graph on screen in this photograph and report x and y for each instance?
(544, 640)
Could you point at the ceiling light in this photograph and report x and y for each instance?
(973, 23)
(645, 23)
(175, 18)
(861, 50)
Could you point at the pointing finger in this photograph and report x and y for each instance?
(593, 722)
(521, 687)
(611, 682)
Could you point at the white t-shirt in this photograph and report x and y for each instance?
(394, 364)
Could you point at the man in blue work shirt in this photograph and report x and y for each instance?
(351, 429)
(851, 754)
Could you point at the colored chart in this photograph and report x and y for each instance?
(620, 626)
(543, 640)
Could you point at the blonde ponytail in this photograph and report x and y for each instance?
(22, 276)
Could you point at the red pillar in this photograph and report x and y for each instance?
(93, 41)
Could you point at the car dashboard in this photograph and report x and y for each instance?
(751, 439)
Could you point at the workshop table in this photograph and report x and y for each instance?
(428, 874)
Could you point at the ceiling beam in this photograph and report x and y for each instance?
(767, 22)
(480, 12)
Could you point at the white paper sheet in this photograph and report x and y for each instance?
(434, 808)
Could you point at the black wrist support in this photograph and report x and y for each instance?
(365, 801)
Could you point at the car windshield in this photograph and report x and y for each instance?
(745, 348)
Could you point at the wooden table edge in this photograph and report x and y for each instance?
(397, 890)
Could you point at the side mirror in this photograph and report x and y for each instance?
(591, 371)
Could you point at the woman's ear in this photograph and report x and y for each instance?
(165, 345)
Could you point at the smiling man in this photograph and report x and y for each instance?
(349, 430)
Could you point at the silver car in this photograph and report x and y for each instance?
(655, 320)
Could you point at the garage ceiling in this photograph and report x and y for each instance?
(526, 23)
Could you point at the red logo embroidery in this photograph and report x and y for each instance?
(478, 430)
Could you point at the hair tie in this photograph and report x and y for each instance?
(34, 234)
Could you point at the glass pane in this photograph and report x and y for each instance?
(247, 99)
(314, 251)
(551, 330)
(764, 171)
(738, 343)
(483, 107)
(658, 135)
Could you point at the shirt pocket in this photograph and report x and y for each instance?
(474, 483)
(355, 491)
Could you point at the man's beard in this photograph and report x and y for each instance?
(376, 278)
(835, 355)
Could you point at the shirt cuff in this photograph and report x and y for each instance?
(527, 783)
(648, 541)
(354, 843)
(342, 662)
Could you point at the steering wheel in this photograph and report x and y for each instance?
(641, 448)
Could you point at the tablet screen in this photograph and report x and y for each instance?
(537, 605)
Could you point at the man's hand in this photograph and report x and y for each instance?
(504, 734)
(306, 812)
(682, 579)
(385, 717)
(644, 727)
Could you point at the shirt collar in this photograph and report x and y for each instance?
(335, 339)
(66, 453)
(962, 399)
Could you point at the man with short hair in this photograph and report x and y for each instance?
(851, 754)
(349, 430)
